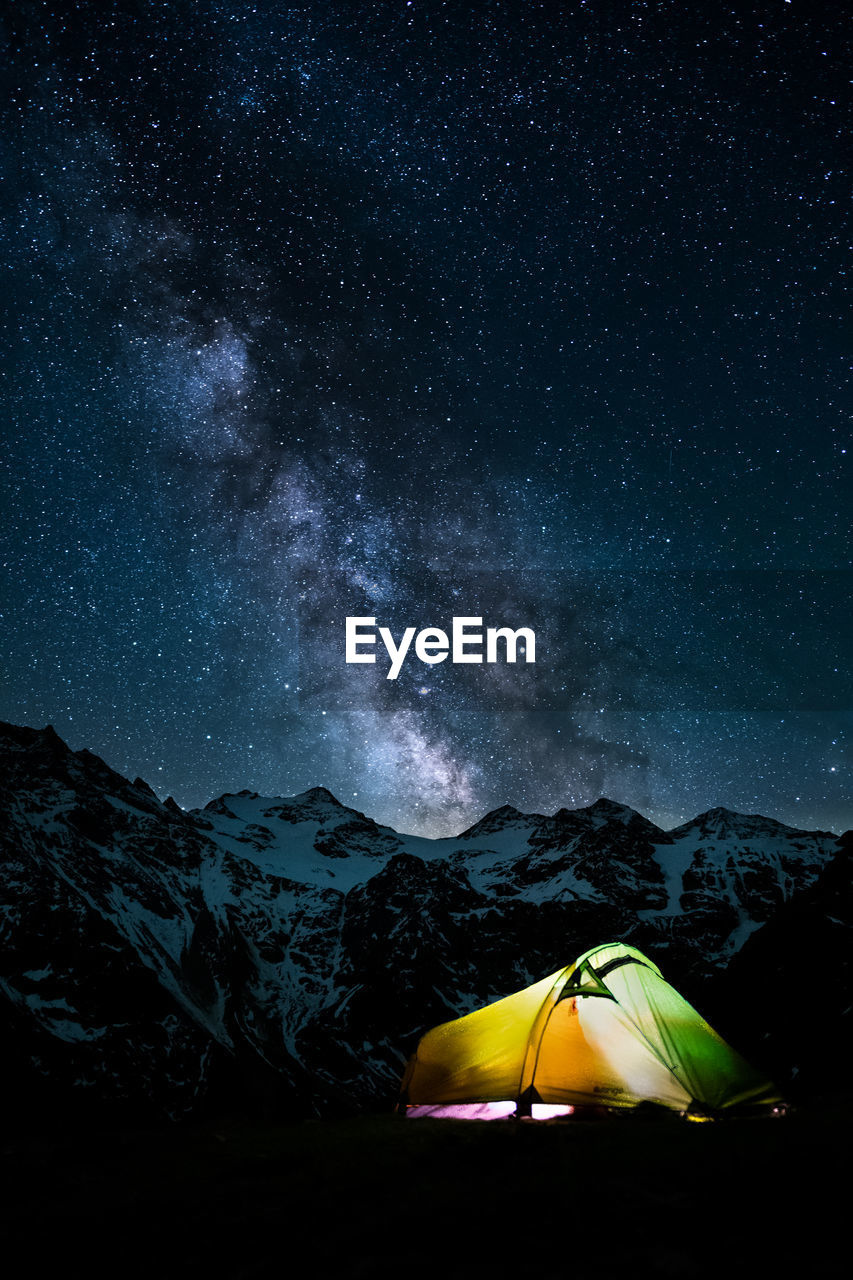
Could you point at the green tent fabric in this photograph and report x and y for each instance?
(606, 1030)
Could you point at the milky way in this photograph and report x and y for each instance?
(535, 313)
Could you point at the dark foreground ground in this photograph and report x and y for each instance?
(381, 1196)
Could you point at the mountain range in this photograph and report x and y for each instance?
(286, 953)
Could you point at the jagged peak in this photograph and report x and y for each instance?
(600, 808)
(312, 798)
(720, 814)
(507, 815)
(506, 811)
(611, 808)
(314, 794)
(722, 820)
(497, 819)
(49, 735)
(31, 739)
(220, 803)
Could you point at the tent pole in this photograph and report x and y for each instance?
(526, 1092)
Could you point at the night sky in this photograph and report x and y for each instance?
(413, 310)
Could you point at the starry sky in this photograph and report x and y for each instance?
(411, 310)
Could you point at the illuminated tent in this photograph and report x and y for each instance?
(606, 1031)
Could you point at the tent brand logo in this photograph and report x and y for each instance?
(465, 643)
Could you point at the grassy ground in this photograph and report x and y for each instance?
(381, 1196)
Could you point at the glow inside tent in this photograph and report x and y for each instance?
(607, 1030)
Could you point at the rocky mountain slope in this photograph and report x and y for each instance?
(292, 950)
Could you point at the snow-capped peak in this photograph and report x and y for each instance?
(500, 820)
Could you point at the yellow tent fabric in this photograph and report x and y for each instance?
(606, 1030)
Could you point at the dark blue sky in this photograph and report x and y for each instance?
(411, 310)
